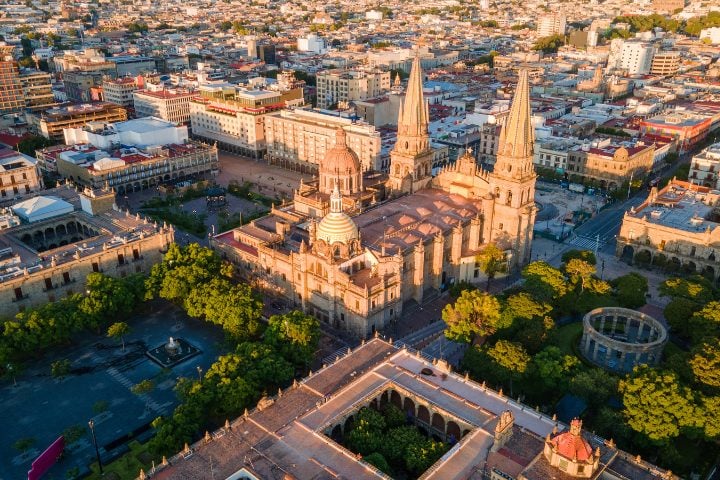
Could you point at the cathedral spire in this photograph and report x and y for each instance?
(515, 147)
(336, 200)
(413, 118)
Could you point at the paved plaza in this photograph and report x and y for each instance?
(42, 407)
(558, 207)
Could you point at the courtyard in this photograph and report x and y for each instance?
(561, 210)
(40, 408)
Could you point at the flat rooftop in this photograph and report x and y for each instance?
(682, 207)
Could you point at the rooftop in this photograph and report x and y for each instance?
(680, 205)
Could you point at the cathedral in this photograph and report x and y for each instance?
(353, 247)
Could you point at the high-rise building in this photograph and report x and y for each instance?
(120, 91)
(337, 86)
(11, 92)
(551, 24)
(37, 90)
(50, 123)
(633, 57)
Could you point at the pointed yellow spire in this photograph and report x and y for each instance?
(413, 119)
(515, 147)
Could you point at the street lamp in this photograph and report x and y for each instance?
(91, 424)
(199, 370)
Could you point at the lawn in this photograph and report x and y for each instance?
(127, 466)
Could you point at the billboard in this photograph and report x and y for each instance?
(47, 459)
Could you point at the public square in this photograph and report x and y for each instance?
(98, 387)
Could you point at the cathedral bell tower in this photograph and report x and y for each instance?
(411, 158)
(512, 181)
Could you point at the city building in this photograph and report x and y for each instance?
(299, 139)
(665, 63)
(234, 117)
(705, 167)
(667, 6)
(120, 91)
(712, 34)
(50, 123)
(169, 104)
(11, 90)
(312, 44)
(18, 175)
(677, 227)
(355, 267)
(551, 24)
(79, 84)
(37, 90)
(63, 237)
(608, 164)
(129, 156)
(298, 431)
(87, 60)
(129, 65)
(687, 127)
(633, 57)
(553, 153)
(344, 86)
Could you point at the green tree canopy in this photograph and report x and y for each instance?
(510, 355)
(594, 386)
(678, 313)
(545, 282)
(474, 314)
(584, 255)
(630, 290)
(366, 436)
(705, 323)
(551, 369)
(705, 363)
(295, 334)
(580, 272)
(549, 44)
(695, 288)
(492, 261)
(119, 330)
(657, 405)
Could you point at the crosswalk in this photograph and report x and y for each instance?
(587, 243)
(127, 383)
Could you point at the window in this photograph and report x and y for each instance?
(95, 267)
(48, 284)
(136, 254)
(66, 278)
(121, 259)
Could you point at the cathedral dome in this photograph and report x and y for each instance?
(336, 226)
(340, 159)
(572, 445)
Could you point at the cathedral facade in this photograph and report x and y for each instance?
(354, 247)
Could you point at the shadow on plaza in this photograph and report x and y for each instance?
(98, 387)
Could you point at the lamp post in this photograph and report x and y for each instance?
(91, 424)
(199, 370)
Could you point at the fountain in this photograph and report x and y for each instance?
(176, 350)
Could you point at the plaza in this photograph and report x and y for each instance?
(41, 407)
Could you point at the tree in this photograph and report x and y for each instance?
(580, 272)
(474, 314)
(60, 368)
(594, 386)
(397, 441)
(549, 44)
(711, 409)
(492, 261)
(119, 330)
(705, 363)
(295, 334)
(545, 282)
(551, 369)
(421, 456)
(584, 255)
(512, 357)
(36, 142)
(106, 297)
(378, 461)
(144, 387)
(678, 313)
(695, 288)
(523, 305)
(366, 436)
(656, 405)
(630, 290)
(705, 323)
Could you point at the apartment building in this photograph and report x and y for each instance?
(343, 86)
(705, 166)
(234, 118)
(18, 175)
(299, 139)
(120, 91)
(11, 92)
(37, 90)
(551, 24)
(169, 104)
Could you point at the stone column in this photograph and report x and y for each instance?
(595, 351)
(437, 260)
(602, 324)
(615, 321)
(622, 361)
(419, 271)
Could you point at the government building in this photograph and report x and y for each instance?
(355, 245)
(297, 434)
